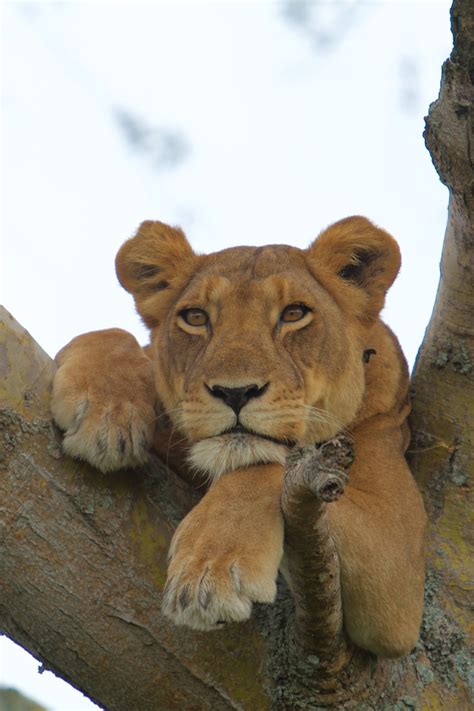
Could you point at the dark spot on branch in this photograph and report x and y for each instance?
(332, 489)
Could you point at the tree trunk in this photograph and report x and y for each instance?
(442, 421)
(83, 555)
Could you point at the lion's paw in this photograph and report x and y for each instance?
(225, 553)
(204, 594)
(109, 436)
(110, 427)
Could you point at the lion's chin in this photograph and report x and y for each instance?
(225, 453)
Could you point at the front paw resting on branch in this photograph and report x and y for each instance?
(104, 400)
(225, 554)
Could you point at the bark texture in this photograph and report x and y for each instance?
(83, 555)
(310, 482)
(442, 421)
(314, 477)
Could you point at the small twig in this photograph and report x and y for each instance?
(314, 477)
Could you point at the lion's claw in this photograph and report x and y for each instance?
(210, 600)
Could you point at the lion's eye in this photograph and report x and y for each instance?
(294, 312)
(194, 317)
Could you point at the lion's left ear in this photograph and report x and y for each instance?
(357, 262)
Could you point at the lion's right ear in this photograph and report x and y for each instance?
(153, 263)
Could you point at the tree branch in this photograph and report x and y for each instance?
(442, 422)
(315, 476)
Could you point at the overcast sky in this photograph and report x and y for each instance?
(241, 122)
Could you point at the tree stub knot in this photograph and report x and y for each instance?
(322, 468)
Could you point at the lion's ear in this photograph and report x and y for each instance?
(158, 259)
(357, 262)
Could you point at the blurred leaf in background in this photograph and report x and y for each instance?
(163, 146)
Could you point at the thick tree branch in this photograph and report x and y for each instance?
(443, 382)
(442, 422)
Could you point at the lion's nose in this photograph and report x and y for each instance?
(237, 398)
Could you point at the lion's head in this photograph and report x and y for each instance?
(256, 349)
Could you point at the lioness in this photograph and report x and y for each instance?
(255, 350)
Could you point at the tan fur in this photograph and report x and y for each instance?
(108, 416)
(237, 566)
(311, 382)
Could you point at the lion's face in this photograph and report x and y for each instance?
(258, 349)
(258, 358)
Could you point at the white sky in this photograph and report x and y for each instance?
(284, 138)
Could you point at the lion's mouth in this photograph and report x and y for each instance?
(241, 430)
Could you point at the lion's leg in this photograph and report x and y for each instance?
(104, 399)
(378, 526)
(225, 553)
